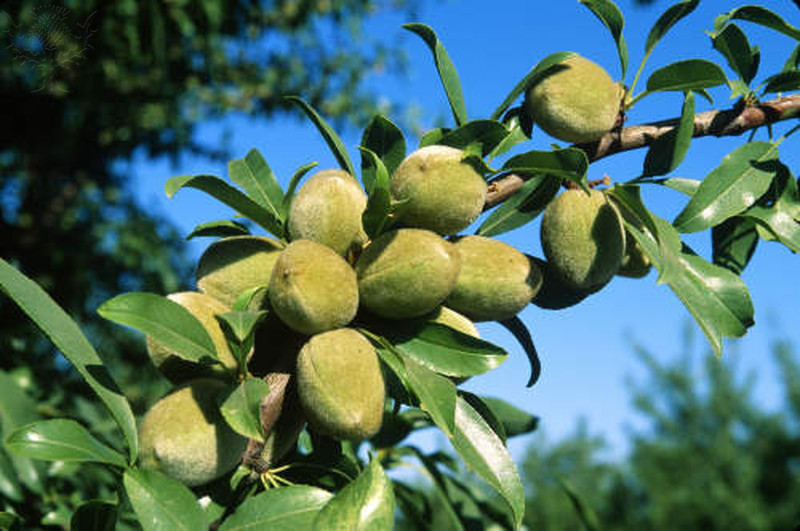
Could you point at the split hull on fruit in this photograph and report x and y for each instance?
(184, 435)
(340, 384)
(406, 273)
(438, 191)
(233, 265)
(496, 280)
(577, 102)
(327, 209)
(313, 289)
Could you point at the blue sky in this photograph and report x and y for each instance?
(586, 350)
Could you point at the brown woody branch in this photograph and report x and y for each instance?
(730, 122)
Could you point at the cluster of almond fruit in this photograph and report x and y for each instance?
(321, 370)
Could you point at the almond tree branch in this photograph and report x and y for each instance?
(729, 122)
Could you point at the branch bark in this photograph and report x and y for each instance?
(729, 122)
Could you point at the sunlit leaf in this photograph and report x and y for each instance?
(241, 409)
(328, 134)
(366, 503)
(162, 503)
(690, 74)
(255, 176)
(522, 207)
(667, 20)
(610, 15)
(733, 44)
(61, 440)
(285, 509)
(386, 140)
(669, 150)
(220, 228)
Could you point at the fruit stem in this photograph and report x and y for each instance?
(636, 79)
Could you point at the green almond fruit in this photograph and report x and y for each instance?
(184, 435)
(579, 102)
(555, 294)
(406, 273)
(340, 384)
(178, 370)
(235, 264)
(327, 209)
(583, 239)
(312, 288)
(438, 191)
(496, 280)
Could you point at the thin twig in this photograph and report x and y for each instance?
(729, 122)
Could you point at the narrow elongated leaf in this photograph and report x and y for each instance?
(241, 324)
(734, 242)
(17, 409)
(523, 207)
(735, 185)
(488, 133)
(584, 512)
(293, 182)
(765, 17)
(7, 520)
(484, 452)
(284, 509)
(10, 485)
(666, 21)
(610, 15)
(386, 140)
(67, 337)
(61, 440)
(486, 412)
(228, 195)
(523, 335)
(515, 137)
(436, 394)
(669, 150)
(241, 409)
(691, 74)
(447, 515)
(446, 68)
(681, 184)
(443, 349)
(95, 516)
(255, 176)
(793, 61)
(541, 70)
(220, 229)
(569, 163)
(166, 321)
(782, 82)
(782, 218)
(379, 203)
(515, 421)
(328, 134)
(162, 503)
(364, 504)
(433, 136)
(733, 44)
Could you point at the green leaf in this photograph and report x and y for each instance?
(446, 515)
(734, 242)
(95, 516)
(735, 185)
(691, 74)
(610, 15)
(681, 184)
(521, 334)
(782, 218)
(220, 228)
(522, 207)
(486, 412)
(293, 182)
(488, 133)
(436, 394)
(433, 136)
(541, 70)
(569, 163)
(386, 140)
(364, 504)
(669, 150)
(241, 324)
(584, 512)
(165, 321)
(379, 203)
(331, 138)
(666, 21)
(764, 17)
(243, 300)
(228, 195)
(733, 44)
(255, 176)
(515, 137)
(484, 452)
(285, 509)
(241, 408)
(443, 349)
(61, 440)
(8, 520)
(10, 486)
(67, 337)
(446, 68)
(793, 61)
(17, 409)
(162, 503)
(515, 421)
(782, 82)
